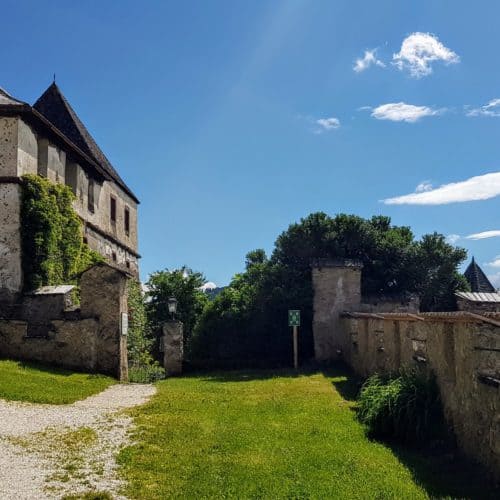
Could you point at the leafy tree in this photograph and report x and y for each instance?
(185, 285)
(247, 321)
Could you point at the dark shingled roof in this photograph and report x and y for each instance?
(477, 279)
(54, 107)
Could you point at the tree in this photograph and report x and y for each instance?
(185, 285)
(247, 321)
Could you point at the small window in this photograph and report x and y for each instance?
(113, 210)
(127, 221)
(113, 256)
(90, 196)
(85, 240)
(127, 264)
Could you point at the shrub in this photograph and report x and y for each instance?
(142, 367)
(405, 406)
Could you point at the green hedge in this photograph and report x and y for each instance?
(53, 251)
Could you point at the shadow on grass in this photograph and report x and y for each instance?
(443, 472)
(437, 467)
(50, 369)
(439, 470)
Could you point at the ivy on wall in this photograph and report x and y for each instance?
(53, 250)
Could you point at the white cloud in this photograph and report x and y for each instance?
(402, 112)
(423, 186)
(369, 59)
(452, 238)
(419, 50)
(490, 109)
(495, 262)
(481, 187)
(210, 285)
(326, 124)
(484, 235)
(495, 279)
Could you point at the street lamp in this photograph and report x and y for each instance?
(172, 306)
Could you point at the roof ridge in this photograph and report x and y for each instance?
(54, 106)
(477, 279)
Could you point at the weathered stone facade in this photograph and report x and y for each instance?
(173, 347)
(32, 144)
(462, 348)
(47, 328)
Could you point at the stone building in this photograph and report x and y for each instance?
(50, 140)
(483, 296)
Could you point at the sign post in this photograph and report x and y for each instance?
(294, 322)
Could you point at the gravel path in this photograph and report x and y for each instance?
(48, 451)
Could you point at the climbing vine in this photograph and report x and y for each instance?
(51, 233)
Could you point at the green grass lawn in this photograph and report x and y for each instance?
(271, 435)
(36, 383)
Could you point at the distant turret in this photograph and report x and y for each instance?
(477, 279)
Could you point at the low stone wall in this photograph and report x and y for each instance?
(462, 351)
(90, 338)
(72, 344)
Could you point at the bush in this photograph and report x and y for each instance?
(142, 367)
(145, 373)
(405, 406)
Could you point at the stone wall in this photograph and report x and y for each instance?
(337, 287)
(464, 354)
(23, 150)
(462, 348)
(88, 338)
(11, 279)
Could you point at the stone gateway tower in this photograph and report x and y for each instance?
(50, 140)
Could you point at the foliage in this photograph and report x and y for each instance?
(247, 320)
(262, 434)
(38, 383)
(52, 245)
(185, 285)
(405, 406)
(142, 367)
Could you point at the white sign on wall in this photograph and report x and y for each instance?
(124, 324)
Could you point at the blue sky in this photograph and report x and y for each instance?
(232, 119)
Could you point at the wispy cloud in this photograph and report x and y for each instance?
(495, 262)
(481, 187)
(327, 124)
(419, 50)
(369, 59)
(485, 234)
(495, 279)
(490, 109)
(452, 238)
(402, 112)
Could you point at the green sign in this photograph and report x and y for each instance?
(293, 317)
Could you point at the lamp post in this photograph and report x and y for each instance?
(172, 307)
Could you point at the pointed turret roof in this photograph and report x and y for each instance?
(477, 279)
(55, 107)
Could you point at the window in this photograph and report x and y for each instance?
(85, 240)
(113, 256)
(127, 264)
(90, 196)
(127, 221)
(113, 210)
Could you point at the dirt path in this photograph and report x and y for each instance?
(48, 451)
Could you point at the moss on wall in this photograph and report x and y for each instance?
(53, 251)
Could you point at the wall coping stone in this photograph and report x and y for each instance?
(323, 262)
